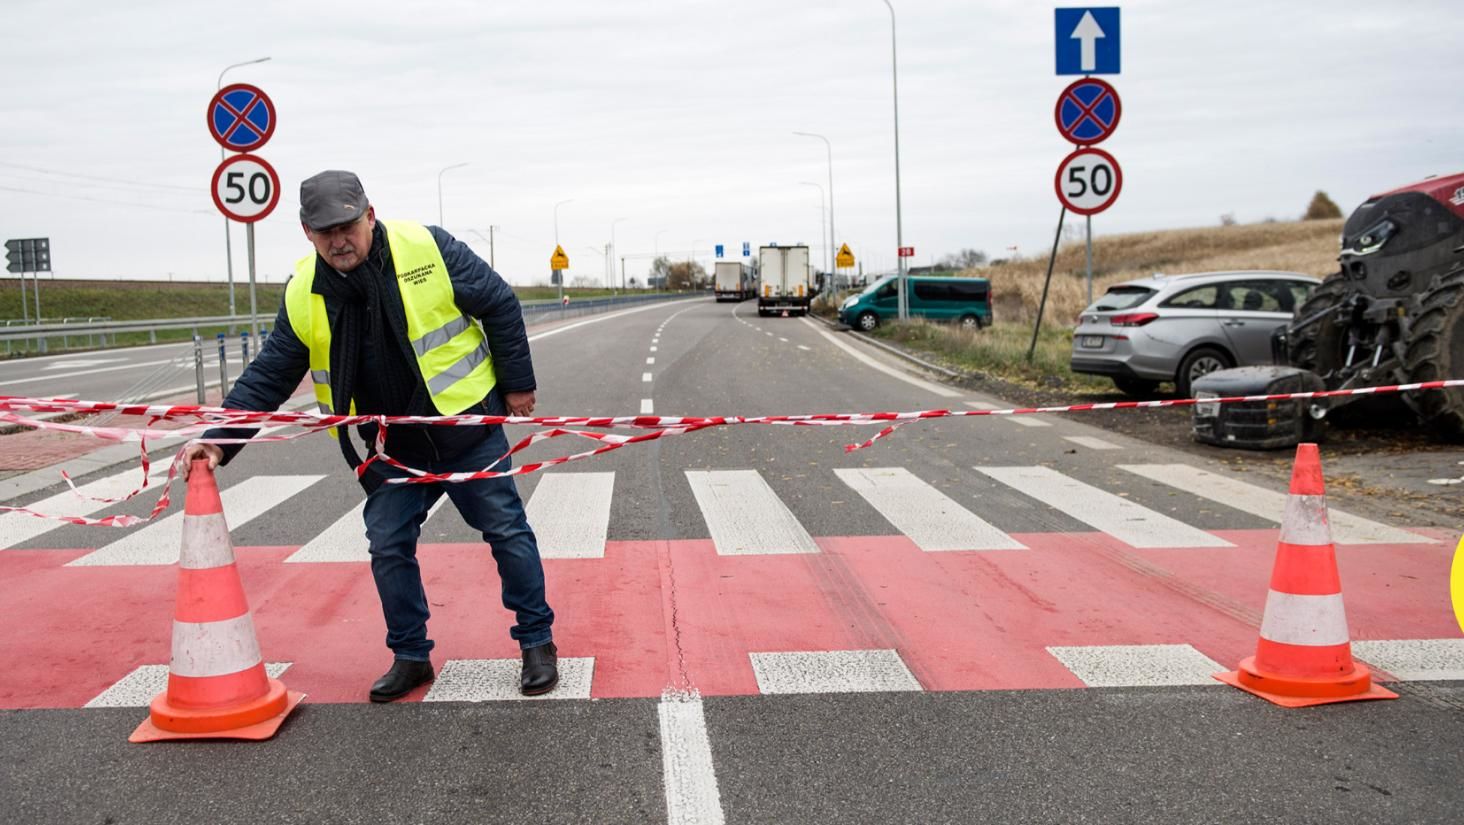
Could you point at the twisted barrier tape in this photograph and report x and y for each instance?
(197, 419)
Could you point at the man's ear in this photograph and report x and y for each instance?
(371, 217)
(308, 234)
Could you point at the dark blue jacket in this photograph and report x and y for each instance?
(477, 290)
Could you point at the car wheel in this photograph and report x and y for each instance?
(867, 321)
(970, 321)
(1199, 363)
(1136, 387)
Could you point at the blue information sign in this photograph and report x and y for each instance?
(1087, 41)
(719, 250)
(241, 117)
(746, 248)
(1088, 111)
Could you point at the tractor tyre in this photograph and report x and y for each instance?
(1321, 347)
(1435, 352)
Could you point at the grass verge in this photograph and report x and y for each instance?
(999, 351)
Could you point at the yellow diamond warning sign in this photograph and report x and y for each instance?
(559, 260)
(845, 258)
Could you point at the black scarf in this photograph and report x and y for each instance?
(370, 304)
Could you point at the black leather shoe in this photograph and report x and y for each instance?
(404, 676)
(541, 670)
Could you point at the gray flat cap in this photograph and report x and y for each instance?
(331, 198)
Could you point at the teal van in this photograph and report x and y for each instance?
(964, 300)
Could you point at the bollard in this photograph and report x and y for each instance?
(223, 368)
(198, 366)
(263, 339)
(243, 349)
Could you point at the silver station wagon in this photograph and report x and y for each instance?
(1180, 327)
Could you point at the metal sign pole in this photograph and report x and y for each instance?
(24, 300)
(36, 290)
(1090, 259)
(253, 300)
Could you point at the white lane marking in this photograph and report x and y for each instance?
(805, 349)
(1126, 521)
(158, 543)
(137, 689)
(745, 516)
(62, 376)
(497, 680)
(650, 361)
(781, 338)
(692, 797)
(646, 377)
(1138, 665)
(653, 349)
(945, 392)
(19, 527)
(597, 319)
(345, 539)
(1267, 504)
(832, 671)
(648, 407)
(570, 514)
(1091, 443)
(81, 364)
(926, 515)
(1415, 660)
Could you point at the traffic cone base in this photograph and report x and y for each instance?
(1303, 692)
(254, 721)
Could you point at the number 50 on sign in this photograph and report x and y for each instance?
(1088, 181)
(245, 188)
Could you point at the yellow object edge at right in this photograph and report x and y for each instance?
(1456, 583)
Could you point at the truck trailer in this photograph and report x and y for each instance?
(786, 280)
(733, 281)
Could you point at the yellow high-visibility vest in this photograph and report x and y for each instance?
(451, 350)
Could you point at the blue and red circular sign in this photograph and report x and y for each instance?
(241, 117)
(1088, 111)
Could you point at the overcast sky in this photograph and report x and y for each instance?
(678, 116)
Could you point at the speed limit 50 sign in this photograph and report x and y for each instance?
(1088, 181)
(245, 188)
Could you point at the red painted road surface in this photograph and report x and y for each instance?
(959, 620)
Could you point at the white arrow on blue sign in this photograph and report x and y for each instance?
(1087, 41)
(746, 248)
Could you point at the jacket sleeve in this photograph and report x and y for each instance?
(268, 381)
(483, 294)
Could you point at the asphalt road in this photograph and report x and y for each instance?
(943, 627)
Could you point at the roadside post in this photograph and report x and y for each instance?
(844, 260)
(198, 367)
(245, 188)
(223, 368)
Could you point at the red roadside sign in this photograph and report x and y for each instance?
(907, 252)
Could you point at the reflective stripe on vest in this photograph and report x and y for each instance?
(452, 352)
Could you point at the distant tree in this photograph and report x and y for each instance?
(1321, 208)
(634, 282)
(965, 259)
(1228, 219)
(660, 267)
(685, 275)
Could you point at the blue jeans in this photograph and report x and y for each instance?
(394, 516)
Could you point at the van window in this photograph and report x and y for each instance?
(1122, 297)
(886, 291)
(931, 291)
(968, 291)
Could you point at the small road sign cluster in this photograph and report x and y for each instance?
(1088, 180)
(241, 118)
(28, 255)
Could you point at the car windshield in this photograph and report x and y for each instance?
(1121, 297)
(869, 290)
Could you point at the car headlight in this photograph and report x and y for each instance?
(848, 302)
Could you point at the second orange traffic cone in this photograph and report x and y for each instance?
(1304, 655)
(217, 685)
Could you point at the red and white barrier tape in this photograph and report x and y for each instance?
(198, 419)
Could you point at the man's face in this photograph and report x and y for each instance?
(344, 246)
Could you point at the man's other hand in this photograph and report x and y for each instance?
(519, 403)
(196, 451)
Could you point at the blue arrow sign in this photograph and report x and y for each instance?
(1087, 41)
(719, 250)
(746, 248)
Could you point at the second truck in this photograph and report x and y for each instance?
(786, 280)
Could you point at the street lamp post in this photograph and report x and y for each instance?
(829, 149)
(556, 244)
(613, 249)
(439, 190)
(899, 223)
(228, 241)
(822, 223)
(656, 246)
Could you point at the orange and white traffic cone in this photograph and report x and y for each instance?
(217, 686)
(1304, 656)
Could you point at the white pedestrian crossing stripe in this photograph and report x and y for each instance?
(345, 539)
(159, 543)
(1028, 420)
(1268, 504)
(1091, 443)
(1415, 660)
(137, 689)
(493, 680)
(1138, 665)
(1126, 521)
(745, 516)
(16, 528)
(832, 671)
(570, 514)
(926, 515)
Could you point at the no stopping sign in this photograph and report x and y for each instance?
(245, 188)
(1088, 181)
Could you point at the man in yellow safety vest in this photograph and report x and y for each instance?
(396, 318)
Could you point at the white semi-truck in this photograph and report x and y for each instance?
(733, 281)
(786, 280)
